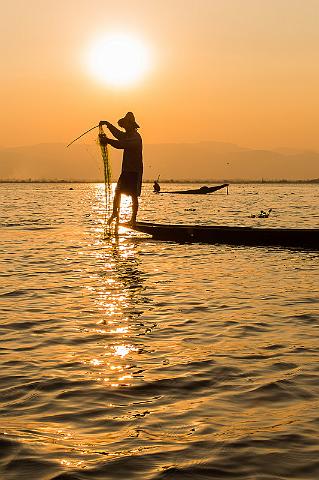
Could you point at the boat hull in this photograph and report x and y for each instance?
(199, 191)
(286, 237)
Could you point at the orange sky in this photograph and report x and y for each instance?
(241, 71)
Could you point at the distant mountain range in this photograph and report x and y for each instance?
(204, 160)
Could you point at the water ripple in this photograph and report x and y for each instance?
(134, 359)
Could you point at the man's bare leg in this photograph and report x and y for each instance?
(134, 209)
(116, 208)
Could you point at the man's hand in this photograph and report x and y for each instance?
(104, 122)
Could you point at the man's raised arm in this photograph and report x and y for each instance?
(115, 131)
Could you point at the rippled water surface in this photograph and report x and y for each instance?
(135, 359)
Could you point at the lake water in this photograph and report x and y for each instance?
(129, 358)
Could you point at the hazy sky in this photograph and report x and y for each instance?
(241, 71)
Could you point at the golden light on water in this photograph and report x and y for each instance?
(103, 349)
(119, 330)
(118, 59)
(111, 361)
(123, 350)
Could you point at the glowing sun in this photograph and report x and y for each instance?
(118, 59)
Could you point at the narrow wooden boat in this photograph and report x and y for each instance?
(200, 191)
(286, 237)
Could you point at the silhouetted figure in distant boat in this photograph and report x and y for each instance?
(156, 187)
(130, 180)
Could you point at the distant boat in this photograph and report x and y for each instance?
(199, 191)
(251, 236)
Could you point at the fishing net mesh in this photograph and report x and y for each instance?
(107, 181)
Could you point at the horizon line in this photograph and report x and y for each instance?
(199, 181)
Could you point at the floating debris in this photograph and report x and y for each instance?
(262, 214)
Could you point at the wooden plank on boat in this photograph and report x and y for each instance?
(254, 236)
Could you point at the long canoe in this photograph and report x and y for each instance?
(254, 236)
(199, 191)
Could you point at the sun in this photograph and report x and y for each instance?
(119, 60)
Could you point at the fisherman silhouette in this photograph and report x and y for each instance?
(156, 187)
(130, 180)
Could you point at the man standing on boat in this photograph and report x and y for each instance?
(130, 180)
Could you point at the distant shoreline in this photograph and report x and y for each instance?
(205, 181)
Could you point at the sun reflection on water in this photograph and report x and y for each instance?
(123, 350)
(120, 330)
(102, 350)
(115, 288)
